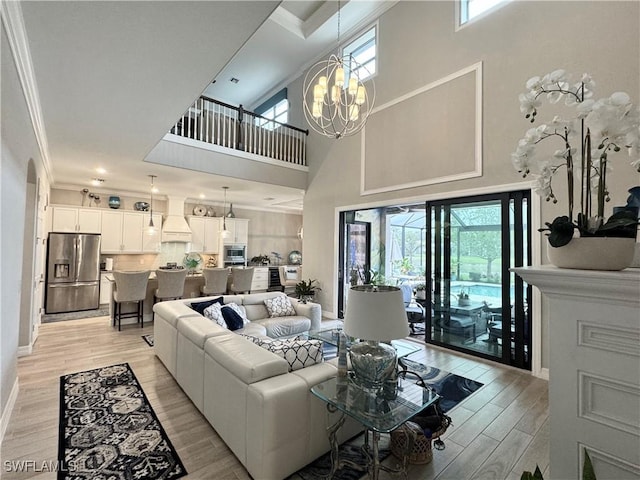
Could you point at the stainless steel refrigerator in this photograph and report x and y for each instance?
(73, 272)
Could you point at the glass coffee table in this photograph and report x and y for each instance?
(378, 412)
(331, 336)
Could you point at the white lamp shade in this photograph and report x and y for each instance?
(375, 313)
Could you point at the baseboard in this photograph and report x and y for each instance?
(6, 413)
(543, 373)
(25, 350)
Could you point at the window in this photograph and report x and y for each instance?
(363, 52)
(276, 108)
(470, 9)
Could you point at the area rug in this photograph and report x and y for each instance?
(108, 429)
(148, 339)
(61, 317)
(451, 387)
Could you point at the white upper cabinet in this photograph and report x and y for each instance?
(239, 231)
(75, 220)
(125, 232)
(205, 233)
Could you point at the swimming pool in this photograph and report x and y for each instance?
(490, 290)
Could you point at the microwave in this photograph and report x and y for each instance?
(235, 254)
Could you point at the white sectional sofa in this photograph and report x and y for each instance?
(265, 413)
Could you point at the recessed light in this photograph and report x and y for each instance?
(234, 80)
(155, 190)
(202, 195)
(101, 170)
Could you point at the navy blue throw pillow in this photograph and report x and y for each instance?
(231, 317)
(200, 306)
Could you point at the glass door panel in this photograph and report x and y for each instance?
(477, 304)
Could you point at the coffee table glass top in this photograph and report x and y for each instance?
(375, 412)
(330, 336)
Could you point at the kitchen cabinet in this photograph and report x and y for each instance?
(105, 289)
(205, 234)
(260, 279)
(124, 232)
(76, 220)
(238, 231)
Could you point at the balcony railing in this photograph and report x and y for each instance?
(218, 123)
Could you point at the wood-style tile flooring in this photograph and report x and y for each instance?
(497, 433)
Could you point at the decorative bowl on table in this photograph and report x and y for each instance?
(192, 262)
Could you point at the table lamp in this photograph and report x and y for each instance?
(374, 314)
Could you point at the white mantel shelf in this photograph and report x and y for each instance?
(594, 369)
(622, 286)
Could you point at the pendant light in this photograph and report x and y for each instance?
(336, 102)
(151, 229)
(224, 233)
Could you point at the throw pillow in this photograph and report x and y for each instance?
(200, 306)
(279, 306)
(214, 313)
(232, 318)
(297, 353)
(240, 311)
(257, 340)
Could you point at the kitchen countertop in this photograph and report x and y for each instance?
(152, 276)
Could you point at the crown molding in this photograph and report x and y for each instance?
(13, 22)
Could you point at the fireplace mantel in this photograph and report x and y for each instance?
(594, 369)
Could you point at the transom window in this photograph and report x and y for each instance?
(470, 9)
(363, 51)
(276, 108)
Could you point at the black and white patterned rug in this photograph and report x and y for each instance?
(148, 339)
(108, 429)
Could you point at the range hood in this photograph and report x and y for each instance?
(175, 227)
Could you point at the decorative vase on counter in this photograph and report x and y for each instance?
(114, 201)
(594, 253)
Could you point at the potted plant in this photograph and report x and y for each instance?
(463, 298)
(586, 142)
(421, 291)
(306, 290)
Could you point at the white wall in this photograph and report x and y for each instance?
(18, 147)
(418, 45)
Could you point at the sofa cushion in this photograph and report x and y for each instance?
(285, 326)
(201, 306)
(198, 329)
(248, 362)
(298, 353)
(254, 329)
(279, 307)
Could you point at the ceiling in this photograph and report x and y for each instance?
(113, 77)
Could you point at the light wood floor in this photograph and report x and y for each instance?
(497, 433)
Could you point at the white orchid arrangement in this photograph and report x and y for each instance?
(596, 130)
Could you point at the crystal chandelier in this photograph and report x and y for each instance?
(336, 102)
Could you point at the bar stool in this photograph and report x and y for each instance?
(241, 279)
(215, 281)
(289, 278)
(130, 287)
(170, 284)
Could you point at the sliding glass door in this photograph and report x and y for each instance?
(476, 304)
(456, 255)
